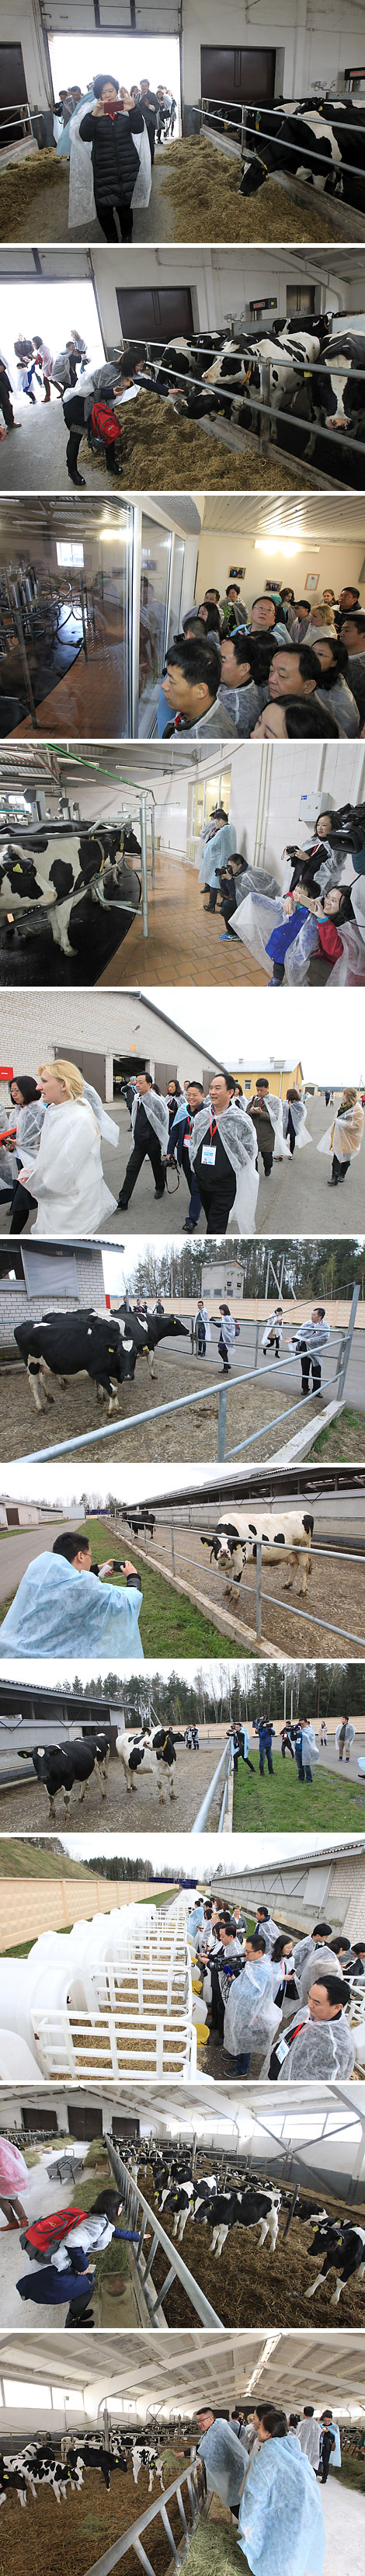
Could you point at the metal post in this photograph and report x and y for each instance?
(256, 1345)
(83, 614)
(258, 1588)
(172, 1548)
(18, 623)
(265, 385)
(144, 864)
(153, 845)
(348, 1342)
(222, 1418)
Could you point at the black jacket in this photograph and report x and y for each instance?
(114, 157)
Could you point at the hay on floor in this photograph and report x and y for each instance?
(162, 449)
(203, 185)
(19, 183)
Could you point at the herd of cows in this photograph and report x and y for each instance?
(85, 1344)
(249, 2202)
(40, 2464)
(320, 140)
(316, 375)
(60, 1767)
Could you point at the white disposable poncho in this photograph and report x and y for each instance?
(239, 1139)
(224, 2461)
(107, 1126)
(350, 1732)
(227, 1330)
(203, 1317)
(309, 1747)
(58, 1611)
(345, 1136)
(308, 2434)
(216, 852)
(93, 2235)
(281, 2527)
(253, 922)
(28, 1122)
(321, 1961)
(322, 2051)
(157, 1113)
(195, 1918)
(336, 2454)
(298, 1113)
(268, 1931)
(251, 2016)
(68, 1176)
(273, 1330)
(350, 968)
(81, 202)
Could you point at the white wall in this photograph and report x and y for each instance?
(266, 792)
(222, 283)
(35, 1024)
(337, 561)
(313, 45)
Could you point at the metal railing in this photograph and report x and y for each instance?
(226, 116)
(223, 1770)
(179, 1404)
(343, 1556)
(195, 2482)
(17, 115)
(260, 402)
(133, 2203)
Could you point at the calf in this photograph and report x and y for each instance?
(14, 2475)
(234, 1544)
(343, 2251)
(187, 2198)
(59, 1766)
(144, 1753)
(43, 882)
(235, 2208)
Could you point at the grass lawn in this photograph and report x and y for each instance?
(258, 1804)
(23, 1859)
(345, 1437)
(169, 1623)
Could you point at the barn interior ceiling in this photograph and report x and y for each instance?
(177, 2372)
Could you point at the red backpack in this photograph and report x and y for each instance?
(105, 423)
(42, 2239)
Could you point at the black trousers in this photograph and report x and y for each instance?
(106, 218)
(142, 1153)
(21, 1204)
(217, 1199)
(307, 1366)
(267, 1162)
(339, 1169)
(325, 2457)
(5, 401)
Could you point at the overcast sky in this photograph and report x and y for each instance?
(185, 1851)
(65, 1484)
(330, 1043)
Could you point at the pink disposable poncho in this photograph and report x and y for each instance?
(13, 2169)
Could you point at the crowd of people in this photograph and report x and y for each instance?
(50, 1155)
(310, 928)
(286, 671)
(267, 2467)
(281, 2001)
(298, 1737)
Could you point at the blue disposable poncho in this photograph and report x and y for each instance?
(59, 1612)
(224, 2461)
(251, 2016)
(281, 2527)
(216, 852)
(195, 1918)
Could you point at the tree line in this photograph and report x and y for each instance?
(229, 1695)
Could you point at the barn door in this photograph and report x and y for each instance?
(91, 1066)
(84, 2123)
(238, 74)
(13, 91)
(155, 313)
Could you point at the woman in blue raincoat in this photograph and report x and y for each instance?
(281, 2529)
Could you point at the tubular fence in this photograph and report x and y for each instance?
(179, 1404)
(222, 112)
(132, 2539)
(144, 2256)
(260, 402)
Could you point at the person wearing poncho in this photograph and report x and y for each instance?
(59, 1608)
(308, 1344)
(224, 2458)
(150, 1128)
(344, 1738)
(318, 2045)
(220, 846)
(67, 1170)
(13, 2171)
(110, 160)
(251, 2016)
(281, 2528)
(222, 1153)
(266, 1110)
(344, 1138)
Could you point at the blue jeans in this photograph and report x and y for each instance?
(241, 2064)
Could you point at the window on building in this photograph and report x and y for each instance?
(69, 553)
(208, 792)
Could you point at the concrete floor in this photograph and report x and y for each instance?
(214, 2550)
(46, 217)
(21, 1549)
(294, 1200)
(42, 2195)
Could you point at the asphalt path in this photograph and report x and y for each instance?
(294, 1200)
(248, 1349)
(18, 1548)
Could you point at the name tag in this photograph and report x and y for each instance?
(281, 2049)
(187, 1137)
(208, 1153)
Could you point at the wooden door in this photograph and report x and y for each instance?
(155, 313)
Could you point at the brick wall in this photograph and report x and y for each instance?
(16, 1307)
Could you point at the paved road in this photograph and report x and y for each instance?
(295, 1200)
(242, 1357)
(18, 1549)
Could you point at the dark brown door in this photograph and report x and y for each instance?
(238, 74)
(125, 2128)
(12, 1516)
(155, 313)
(33, 2119)
(92, 1066)
(13, 90)
(84, 2123)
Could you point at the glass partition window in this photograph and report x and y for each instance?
(155, 578)
(208, 792)
(177, 573)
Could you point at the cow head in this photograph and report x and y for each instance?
(163, 1744)
(254, 173)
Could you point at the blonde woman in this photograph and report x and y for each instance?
(66, 1175)
(344, 1138)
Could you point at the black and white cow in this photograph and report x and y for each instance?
(341, 2248)
(253, 2207)
(142, 1336)
(327, 152)
(50, 875)
(186, 2199)
(154, 1754)
(281, 1535)
(237, 369)
(59, 1766)
(83, 1344)
(14, 2477)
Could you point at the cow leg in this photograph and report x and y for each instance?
(289, 1578)
(219, 2239)
(315, 2285)
(172, 1791)
(67, 1801)
(304, 1563)
(36, 1381)
(150, 1358)
(83, 1787)
(52, 1809)
(273, 2228)
(336, 2294)
(162, 1791)
(58, 924)
(100, 1777)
